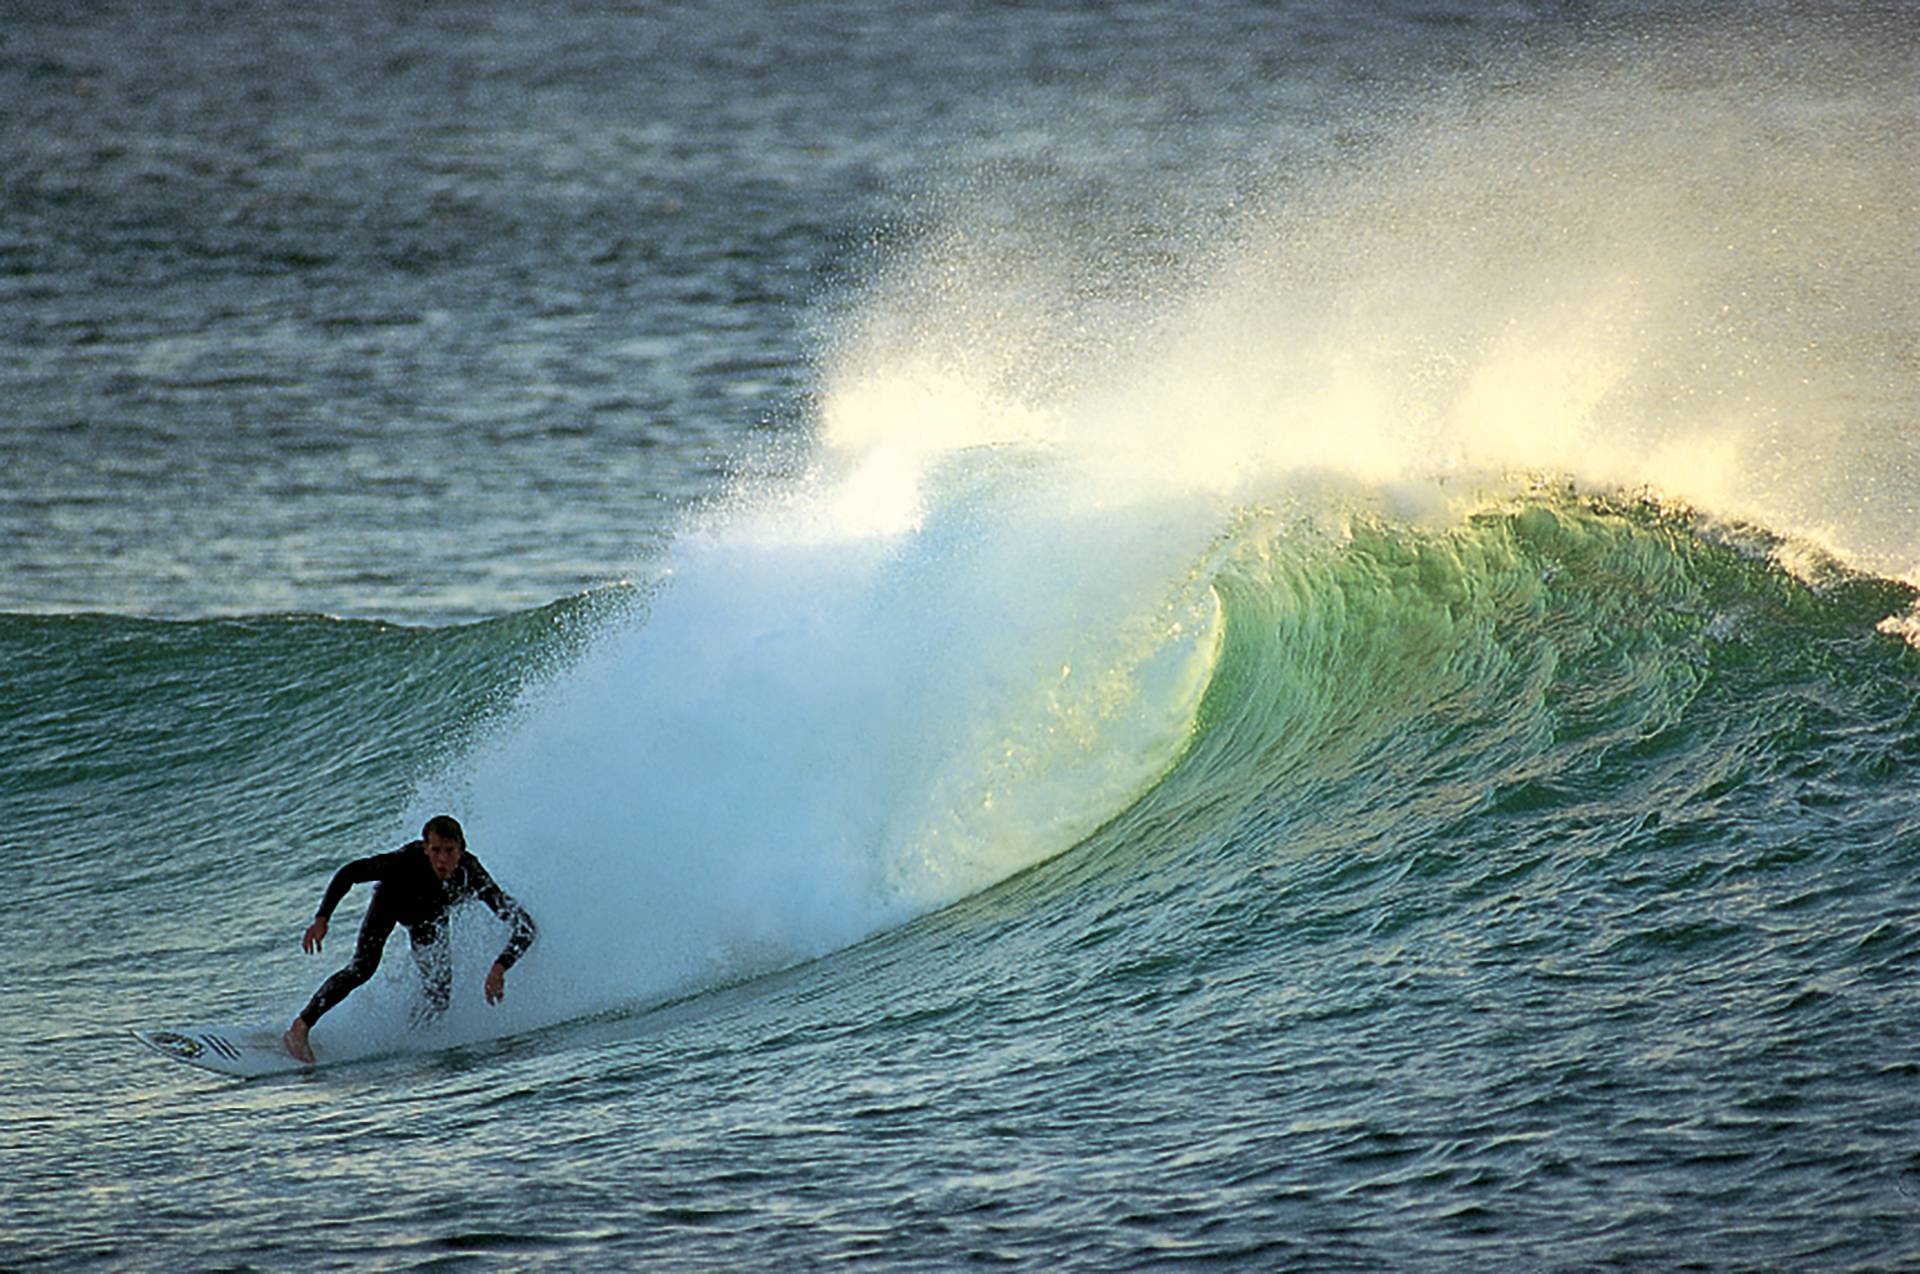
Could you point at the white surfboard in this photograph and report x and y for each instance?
(247, 1051)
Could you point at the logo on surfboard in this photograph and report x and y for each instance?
(189, 1047)
(184, 1047)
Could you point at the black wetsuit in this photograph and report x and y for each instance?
(406, 892)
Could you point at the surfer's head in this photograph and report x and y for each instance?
(445, 842)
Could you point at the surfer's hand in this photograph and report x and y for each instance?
(496, 984)
(311, 939)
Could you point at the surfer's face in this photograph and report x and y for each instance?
(443, 855)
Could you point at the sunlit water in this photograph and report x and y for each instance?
(1099, 636)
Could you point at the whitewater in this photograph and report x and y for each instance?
(1336, 701)
(980, 622)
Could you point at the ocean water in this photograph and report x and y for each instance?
(1104, 636)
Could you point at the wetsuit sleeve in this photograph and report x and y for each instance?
(357, 872)
(507, 908)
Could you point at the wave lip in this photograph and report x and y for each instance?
(822, 728)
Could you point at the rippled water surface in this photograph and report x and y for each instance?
(1102, 636)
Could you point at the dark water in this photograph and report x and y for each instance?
(432, 312)
(1103, 637)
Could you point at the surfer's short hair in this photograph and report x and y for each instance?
(446, 827)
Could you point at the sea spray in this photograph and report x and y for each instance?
(1539, 883)
(980, 624)
(823, 728)
(1635, 262)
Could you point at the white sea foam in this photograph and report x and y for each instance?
(976, 628)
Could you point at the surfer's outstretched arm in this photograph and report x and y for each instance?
(357, 872)
(508, 908)
(376, 867)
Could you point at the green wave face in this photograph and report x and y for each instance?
(175, 751)
(1557, 675)
(1536, 690)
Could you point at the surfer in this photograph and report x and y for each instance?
(415, 886)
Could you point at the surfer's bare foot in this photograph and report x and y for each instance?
(296, 1041)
